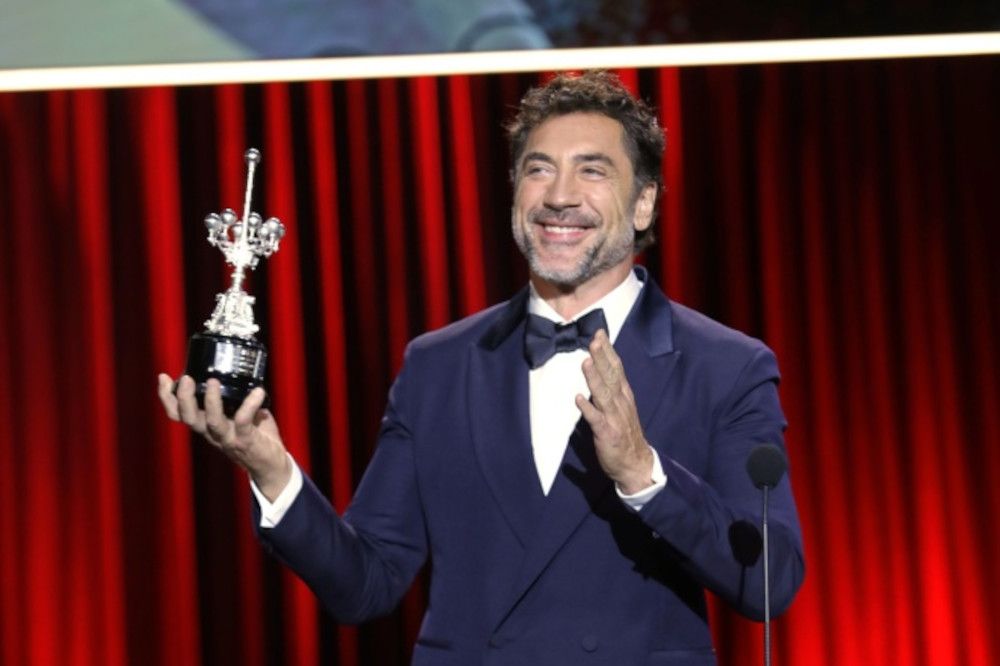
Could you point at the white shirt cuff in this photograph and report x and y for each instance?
(638, 500)
(271, 513)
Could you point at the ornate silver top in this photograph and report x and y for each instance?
(243, 241)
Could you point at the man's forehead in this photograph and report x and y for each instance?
(581, 133)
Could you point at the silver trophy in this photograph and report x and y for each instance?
(227, 349)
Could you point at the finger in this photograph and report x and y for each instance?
(592, 414)
(598, 355)
(165, 389)
(599, 390)
(266, 423)
(626, 391)
(216, 424)
(187, 406)
(607, 360)
(244, 418)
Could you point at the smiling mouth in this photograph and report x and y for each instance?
(565, 224)
(562, 229)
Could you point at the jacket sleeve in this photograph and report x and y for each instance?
(712, 519)
(361, 564)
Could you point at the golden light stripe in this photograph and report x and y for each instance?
(365, 67)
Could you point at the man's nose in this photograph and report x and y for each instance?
(562, 192)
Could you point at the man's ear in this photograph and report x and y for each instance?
(642, 216)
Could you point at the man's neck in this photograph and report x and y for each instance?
(570, 301)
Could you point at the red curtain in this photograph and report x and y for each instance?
(846, 213)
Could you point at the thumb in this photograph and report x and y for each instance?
(265, 422)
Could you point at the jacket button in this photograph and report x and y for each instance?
(589, 643)
(495, 642)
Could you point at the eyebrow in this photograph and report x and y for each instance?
(578, 159)
(594, 157)
(536, 157)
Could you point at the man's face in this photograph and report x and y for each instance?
(574, 217)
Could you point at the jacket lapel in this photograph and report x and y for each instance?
(646, 348)
(497, 386)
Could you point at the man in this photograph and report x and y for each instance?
(574, 503)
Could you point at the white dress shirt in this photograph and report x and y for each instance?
(553, 412)
(553, 388)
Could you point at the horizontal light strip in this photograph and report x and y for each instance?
(365, 67)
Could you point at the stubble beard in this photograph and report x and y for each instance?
(606, 252)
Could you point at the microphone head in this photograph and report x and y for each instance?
(766, 465)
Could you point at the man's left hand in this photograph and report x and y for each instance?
(622, 449)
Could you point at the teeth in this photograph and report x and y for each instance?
(561, 230)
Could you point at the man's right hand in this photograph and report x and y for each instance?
(250, 438)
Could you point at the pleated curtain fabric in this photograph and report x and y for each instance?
(846, 213)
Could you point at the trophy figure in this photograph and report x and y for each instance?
(227, 349)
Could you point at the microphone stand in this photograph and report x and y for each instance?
(766, 465)
(767, 590)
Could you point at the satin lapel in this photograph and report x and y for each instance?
(645, 345)
(646, 348)
(497, 389)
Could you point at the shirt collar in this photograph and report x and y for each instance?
(616, 304)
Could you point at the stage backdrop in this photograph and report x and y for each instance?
(845, 213)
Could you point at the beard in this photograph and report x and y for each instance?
(605, 251)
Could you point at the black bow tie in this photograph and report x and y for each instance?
(543, 338)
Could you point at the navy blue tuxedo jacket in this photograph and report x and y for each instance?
(575, 577)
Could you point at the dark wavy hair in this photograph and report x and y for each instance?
(597, 92)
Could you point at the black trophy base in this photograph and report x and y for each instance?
(238, 364)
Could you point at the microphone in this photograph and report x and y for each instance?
(766, 465)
